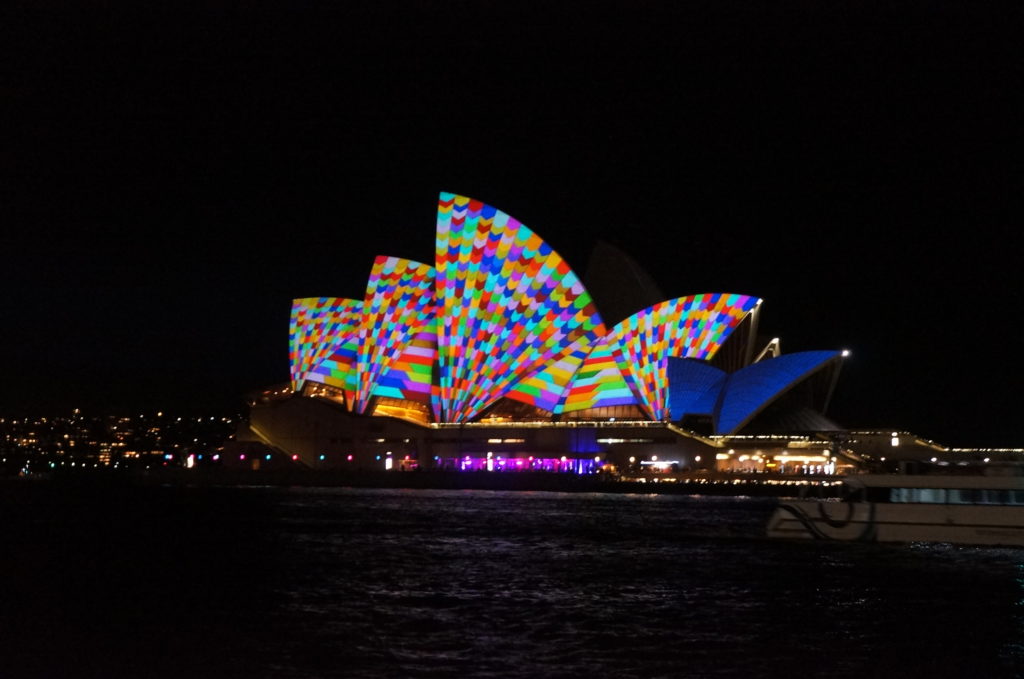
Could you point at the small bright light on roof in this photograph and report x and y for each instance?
(846, 352)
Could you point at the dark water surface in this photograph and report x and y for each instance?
(252, 582)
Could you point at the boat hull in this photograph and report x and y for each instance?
(891, 522)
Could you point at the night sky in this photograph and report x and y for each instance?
(171, 180)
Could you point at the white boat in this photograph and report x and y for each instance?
(968, 510)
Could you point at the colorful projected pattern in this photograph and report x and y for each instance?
(338, 369)
(547, 387)
(318, 326)
(410, 374)
(510, 304)
(599, 382)
(634, 355)
(399, 301)
(686, 327)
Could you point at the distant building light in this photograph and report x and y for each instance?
(845, 353)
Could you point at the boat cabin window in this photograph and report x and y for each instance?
(953, 496)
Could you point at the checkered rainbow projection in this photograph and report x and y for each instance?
(499, 315)
(317, 328)
(686, 327)
(399, 304)
(600, 380)
(509, 303)
(629, 365)
(546, 388)
(337, 369)
(410, 375)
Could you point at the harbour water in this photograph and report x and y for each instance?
(341, 582)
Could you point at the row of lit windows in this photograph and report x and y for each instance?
(957, 496)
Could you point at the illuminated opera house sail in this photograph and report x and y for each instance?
(499, 331)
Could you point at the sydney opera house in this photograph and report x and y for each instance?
(497, 356)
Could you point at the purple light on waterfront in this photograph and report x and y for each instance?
(518, 464)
